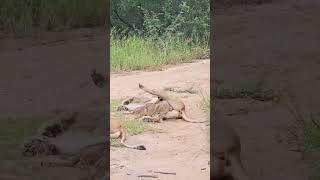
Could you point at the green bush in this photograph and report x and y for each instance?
(152, 18)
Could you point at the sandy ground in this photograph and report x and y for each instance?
(181, 147)
(277, 46)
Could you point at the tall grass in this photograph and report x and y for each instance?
(137, 53)
(22, 16)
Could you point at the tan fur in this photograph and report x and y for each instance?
(226, 152)
(117, 131)
(178, 108)
(156, 112)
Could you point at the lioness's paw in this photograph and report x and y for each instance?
(141, 147)
(147, 119)
(122, 108)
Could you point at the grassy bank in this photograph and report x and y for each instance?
(27, 16)
(136, 53)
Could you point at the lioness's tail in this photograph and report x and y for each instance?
(123, 138)
(158, 93)
(186, 118)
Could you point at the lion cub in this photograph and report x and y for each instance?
(117, 131)
(226, 149)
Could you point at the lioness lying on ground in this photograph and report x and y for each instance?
(79, 148)
(226, 152)
(158, 109)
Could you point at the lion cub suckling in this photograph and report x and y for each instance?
(153, 110)
(117, 131)
(161, 108)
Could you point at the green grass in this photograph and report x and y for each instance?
(12, 133)
(305, 134)
(312, 148)
(136, 53)
(312, 139)
(114, 103)
(133, 126)
(26, 16)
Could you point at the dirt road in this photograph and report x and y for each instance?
(181, 147)
(273, 46)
